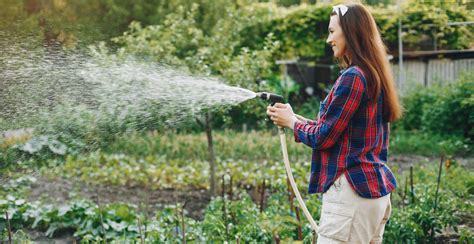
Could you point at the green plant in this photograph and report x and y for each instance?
(417, 220)
(413, 103)
(243, 220)
(428, 144)
(442, 110)
(309, 109)
(453, 111)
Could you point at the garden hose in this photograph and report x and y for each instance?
(289, 173)
(273, 98)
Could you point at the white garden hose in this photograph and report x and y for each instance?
(289, 173)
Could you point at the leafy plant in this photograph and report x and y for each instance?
(443, 110)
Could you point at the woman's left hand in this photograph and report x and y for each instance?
(282, 115)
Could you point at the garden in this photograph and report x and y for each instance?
(114, 128)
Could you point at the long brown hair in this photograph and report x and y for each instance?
(365, 48)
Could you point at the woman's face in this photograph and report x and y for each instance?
(336, 38)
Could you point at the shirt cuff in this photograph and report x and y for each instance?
(296, 127)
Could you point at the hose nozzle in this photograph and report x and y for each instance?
(272, 98)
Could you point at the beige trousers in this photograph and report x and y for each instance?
(347, 217)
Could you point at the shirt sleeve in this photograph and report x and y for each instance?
(311, 122)
(323, 134)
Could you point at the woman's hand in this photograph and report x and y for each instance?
(282, 115)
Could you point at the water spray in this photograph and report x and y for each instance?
(274, 98)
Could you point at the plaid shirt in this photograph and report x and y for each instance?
(350, 137)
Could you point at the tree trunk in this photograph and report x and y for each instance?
(210, 150)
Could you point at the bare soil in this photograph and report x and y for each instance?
(61, 190)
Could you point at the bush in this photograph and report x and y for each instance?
(303, 30)
(413, 104)
(444, 110)
(452, 113)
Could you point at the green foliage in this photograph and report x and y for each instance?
(453, 110)
(411, 220)
(74, 23)
(160, 172)
(415, 220)
(241, 217)
(176, 39)
(414, 103)
(418, 16)
(286, 87)
(428, 144)
(182, 43)
(309, 109)
(150, 172)
(69, 23)
(423, 22)
(444, 110)
(83, 216)
(303, 30)
(228, 145)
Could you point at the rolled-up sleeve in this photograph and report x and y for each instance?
(347, 96)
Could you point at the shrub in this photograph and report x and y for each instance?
(444, 110)
(303, 30)
(452, 113)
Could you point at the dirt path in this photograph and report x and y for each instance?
(405, 161)
(61, 190)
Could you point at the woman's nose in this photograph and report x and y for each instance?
(328, 40)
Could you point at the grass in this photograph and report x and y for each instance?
(425, 144)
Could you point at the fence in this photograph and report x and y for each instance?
(433, 71)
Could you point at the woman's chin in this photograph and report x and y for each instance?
(335, 54)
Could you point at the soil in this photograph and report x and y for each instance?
(405, 161)
(61, 190)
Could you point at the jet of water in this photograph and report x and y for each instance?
(39, 87)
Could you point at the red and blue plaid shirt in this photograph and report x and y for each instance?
(350, 137)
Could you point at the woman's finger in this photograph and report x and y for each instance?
(273, 109)
(280, 105)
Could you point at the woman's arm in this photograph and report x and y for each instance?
(305, 120)
(347, 96)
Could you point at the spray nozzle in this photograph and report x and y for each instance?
(272, 98)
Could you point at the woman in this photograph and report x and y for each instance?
(350, 137)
